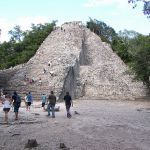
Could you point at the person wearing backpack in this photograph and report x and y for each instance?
(51, 104)
(16, 102)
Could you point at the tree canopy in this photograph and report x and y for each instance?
(106, 32)
(140, 47)
(23, 44)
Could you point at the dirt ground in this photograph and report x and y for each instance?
(100, 125)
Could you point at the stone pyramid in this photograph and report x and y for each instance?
(74, 59)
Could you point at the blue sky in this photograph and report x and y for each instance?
(115, 13)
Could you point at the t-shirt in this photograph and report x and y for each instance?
(26, 99)
(43, 98)
(17, 100)
(29, 97)
(52, 99)
(6, 103)
(67, 99)
(14, 97)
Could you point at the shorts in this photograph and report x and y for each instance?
(16, 108)
(43, 104)
(29, 103)
(6, 109)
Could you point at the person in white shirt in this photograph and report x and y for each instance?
(26, 101)
(6, 106)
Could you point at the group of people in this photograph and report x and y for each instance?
(8, 102)
(51, 101)
(28, 80)
(15, 101)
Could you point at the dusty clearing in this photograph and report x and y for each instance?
(101, 125)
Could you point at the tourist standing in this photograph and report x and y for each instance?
(68, 102)
(29, 100)
(26, 101)
(40, 81)
(6, 106)
(16, 103)
(51, 104)
(43, 100)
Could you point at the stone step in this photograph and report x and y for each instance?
(143, 98)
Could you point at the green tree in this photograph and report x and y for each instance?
(122, 43)
(121, 48)
(106, 32)
(119, 42)
(141, 58)
(16, 34)
(23, 45)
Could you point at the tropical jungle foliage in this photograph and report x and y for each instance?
(23, 44)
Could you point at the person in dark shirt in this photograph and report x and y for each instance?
(16, 102)
(51, 104)
(68, 102)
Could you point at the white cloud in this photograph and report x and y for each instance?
(23, 22)
(5, 27)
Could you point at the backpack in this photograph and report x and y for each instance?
(18, 99)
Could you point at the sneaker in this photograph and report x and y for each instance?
(69, 115)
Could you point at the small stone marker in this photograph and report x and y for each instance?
(62, 145)
(31, 143)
